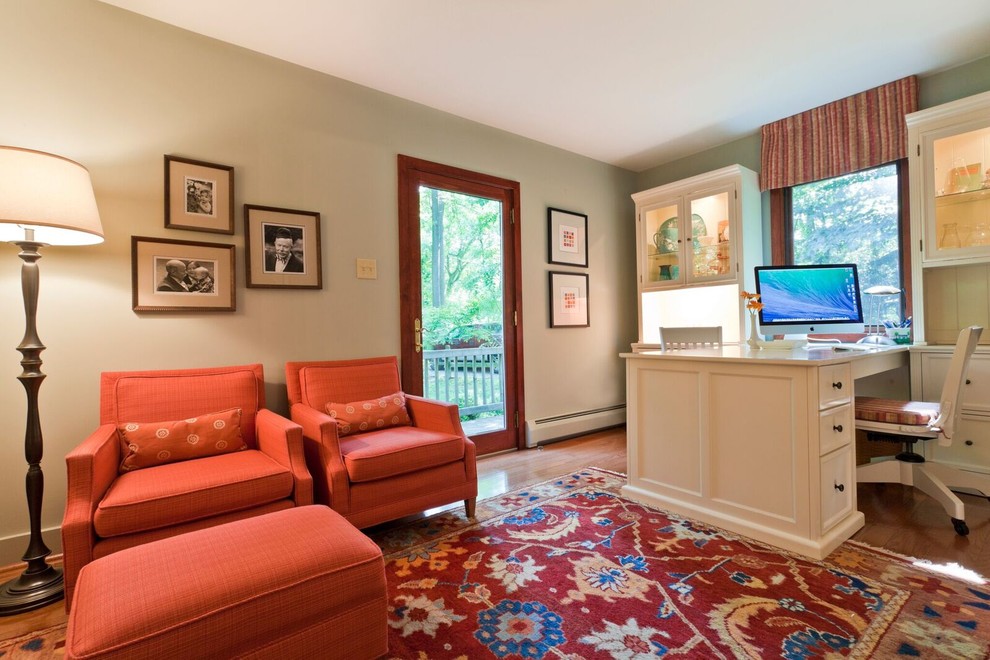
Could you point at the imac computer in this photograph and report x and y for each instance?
(819, 298)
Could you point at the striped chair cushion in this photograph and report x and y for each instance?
(893, 411)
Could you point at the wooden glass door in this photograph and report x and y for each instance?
(460, 302)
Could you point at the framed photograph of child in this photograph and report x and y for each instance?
(199, 195)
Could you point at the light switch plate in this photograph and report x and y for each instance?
(367, 269)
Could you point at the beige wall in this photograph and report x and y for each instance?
(116, 91)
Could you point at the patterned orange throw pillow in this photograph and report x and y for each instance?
(370, 415)
(146, 444)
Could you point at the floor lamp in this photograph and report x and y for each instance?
(44, 200)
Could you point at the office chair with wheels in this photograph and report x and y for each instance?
(690, 337)
(910, 421)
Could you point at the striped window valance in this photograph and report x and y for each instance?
(860, 131)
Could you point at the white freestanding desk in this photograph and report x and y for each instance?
(758, 442)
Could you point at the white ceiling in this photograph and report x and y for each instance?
(635, 83)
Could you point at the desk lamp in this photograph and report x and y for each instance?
(875, 293)
(44, 200)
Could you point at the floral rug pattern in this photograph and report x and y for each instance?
(570, 569)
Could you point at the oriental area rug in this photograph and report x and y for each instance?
(570, 569)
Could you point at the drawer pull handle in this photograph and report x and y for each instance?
(837, 428)
(840, 487)
(837, 385)
(968, 381)
(969, 443)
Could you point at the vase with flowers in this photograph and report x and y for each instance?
(753, 305)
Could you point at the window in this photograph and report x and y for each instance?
(854, 218)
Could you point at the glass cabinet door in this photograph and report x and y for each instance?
(710, 250)
(959, 210)
(662, 245)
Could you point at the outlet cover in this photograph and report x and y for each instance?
(367, 269)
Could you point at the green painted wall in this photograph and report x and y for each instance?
(116, 91)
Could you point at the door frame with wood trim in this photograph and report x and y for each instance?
(412, 174)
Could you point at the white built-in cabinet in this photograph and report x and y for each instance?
(970, 447)
(949, 165)
(697, 242)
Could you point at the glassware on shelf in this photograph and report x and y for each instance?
(981, 234)
(950, 236)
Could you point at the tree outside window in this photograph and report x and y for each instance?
(853, 218)
(461, 265)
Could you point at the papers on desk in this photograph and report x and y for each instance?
(827, 346)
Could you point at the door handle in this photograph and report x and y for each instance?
(418, 335)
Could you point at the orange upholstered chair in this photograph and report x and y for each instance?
(110, 508)
(390, 469)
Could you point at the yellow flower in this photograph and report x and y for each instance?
(753, 303)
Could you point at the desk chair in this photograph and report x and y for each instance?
(910, 421)
(690, 337)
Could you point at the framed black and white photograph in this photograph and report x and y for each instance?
(567, 237)
(282, 247)
(169, 275)
(569, 300)
(199, 195)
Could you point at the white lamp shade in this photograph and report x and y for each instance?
(48, 194)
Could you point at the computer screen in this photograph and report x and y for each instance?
(809, 299)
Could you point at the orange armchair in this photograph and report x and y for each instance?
(377, 475)
(108, 510)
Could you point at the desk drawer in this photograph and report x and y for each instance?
(834, 385)
(976, 390)
(970, 446)
(838, 486)
(836, 428)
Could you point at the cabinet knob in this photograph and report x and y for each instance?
(968, 381)
(837, 428)
(969, 443)
(837, 385)
(840, 487)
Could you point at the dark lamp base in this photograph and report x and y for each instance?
(30, 591)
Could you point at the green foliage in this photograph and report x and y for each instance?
(470, 266)
(850, 219)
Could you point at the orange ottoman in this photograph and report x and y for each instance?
(297, 583)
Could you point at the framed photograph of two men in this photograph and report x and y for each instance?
(169, 275)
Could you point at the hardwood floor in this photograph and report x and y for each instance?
(905, 520)
(897, 518)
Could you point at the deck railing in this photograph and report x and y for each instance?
(469, 377)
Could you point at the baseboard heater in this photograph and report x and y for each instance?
(561, 427)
